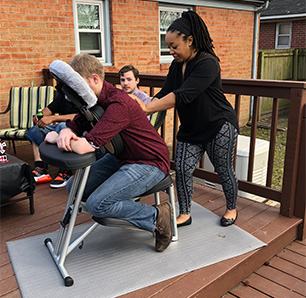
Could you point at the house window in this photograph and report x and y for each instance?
(167, 14)
(283, 35)
(91, 32)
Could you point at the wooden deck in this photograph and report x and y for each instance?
(283, 275)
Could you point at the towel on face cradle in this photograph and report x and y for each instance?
(73, 79)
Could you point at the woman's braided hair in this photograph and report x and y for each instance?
(202, 41)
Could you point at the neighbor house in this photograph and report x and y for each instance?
(282, 41)
(282, 44)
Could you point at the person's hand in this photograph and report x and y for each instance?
(81, 146)
(35, 120)
(51, 137)
(133, 97)
(64, 139)
(140, 102)
(44, 121)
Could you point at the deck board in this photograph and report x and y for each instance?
(270, 288)
(293, 257)
(282, 278)
(288, 267)
(243, 291)
(297, 248)
(256, 218)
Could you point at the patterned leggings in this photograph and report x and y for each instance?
(221, 154)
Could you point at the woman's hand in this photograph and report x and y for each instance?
(140, 102)
(64, 139)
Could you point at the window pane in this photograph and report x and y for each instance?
(166, 53)
(283, 40)
(284, 29)
(163, 44)
(166, 19)
(90, 41)
(88, 16)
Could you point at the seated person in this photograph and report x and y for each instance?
(129, 79)
(59, 110)
(114, 180)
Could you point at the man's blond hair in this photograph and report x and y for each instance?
(86, 65)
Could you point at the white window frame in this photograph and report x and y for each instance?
(168, 58)
(288, 46)
(104, 30)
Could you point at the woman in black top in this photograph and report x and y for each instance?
(208, 121)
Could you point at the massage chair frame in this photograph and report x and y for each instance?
(82, 163)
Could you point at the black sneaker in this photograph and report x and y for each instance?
(60, 180)
(41, 175)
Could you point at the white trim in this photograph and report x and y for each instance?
(165, 7)
(211, 3)
(104, 25)
(289, 16)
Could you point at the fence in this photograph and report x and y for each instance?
(286, 64)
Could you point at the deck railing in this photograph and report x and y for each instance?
(292, 195)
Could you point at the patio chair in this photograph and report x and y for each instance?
(23, 104)
(81, 163)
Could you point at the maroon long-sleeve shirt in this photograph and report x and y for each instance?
(123, 115)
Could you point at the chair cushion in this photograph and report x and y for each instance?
(24, 104)
(13, 134)
(160, 186)
(51, 154)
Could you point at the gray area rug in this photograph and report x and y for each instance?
(116, 261)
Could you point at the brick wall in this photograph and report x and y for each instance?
(299, 34)
(34, 33)
(267, 36)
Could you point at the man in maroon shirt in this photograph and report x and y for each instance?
(114, 180)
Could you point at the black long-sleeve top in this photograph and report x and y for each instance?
(201, 104)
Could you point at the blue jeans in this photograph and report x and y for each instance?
(37, 135)
(110, 187)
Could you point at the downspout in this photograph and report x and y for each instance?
(255, 48)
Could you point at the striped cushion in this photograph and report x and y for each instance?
(24, 104)
(12, 134)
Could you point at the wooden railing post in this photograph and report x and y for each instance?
(297, 102)
(300, 198)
